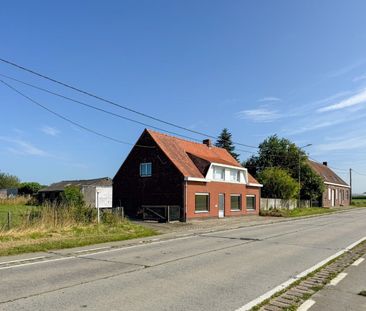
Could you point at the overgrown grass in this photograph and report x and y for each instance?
(297, 212)
(44, 238)
(43, 228)
(359, 202)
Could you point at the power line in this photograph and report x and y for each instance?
(113, 103)
(362, 174)
(95, 108)
(69, 120)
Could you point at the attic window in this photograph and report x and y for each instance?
(145, 169)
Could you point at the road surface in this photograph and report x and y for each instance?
(221, 270)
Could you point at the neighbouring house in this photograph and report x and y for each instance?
(337, 192)
(8, 193)
(199, 178)
(96, 192)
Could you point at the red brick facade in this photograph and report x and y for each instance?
(214, 189)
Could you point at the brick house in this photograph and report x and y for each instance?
(203, 180)
(337, 192)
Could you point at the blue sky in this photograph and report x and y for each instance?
(295, 68)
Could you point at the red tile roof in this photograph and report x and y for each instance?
(177, 150)
(326, 173)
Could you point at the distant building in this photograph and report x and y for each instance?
(8, 193)
(97, 192)
(337, 191)
(200, 179)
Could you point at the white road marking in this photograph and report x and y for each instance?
(338, 278)
(92, 254)
(37, 262)
(20, 260)
(306, 305)
(92, 249)
(290, 281)
(358, 261)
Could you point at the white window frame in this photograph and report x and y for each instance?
(209, 199)
(145, 165)
(240, 202)
(329, 193)
(255, 201)
(215, 169)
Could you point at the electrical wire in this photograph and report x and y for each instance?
(113, 103)
(69, 120)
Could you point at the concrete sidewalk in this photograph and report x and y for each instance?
(342, 294)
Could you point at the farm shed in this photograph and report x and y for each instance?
(97, 192)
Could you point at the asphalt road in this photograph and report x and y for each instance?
(222, 270)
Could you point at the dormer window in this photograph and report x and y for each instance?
(234, 175)
(219, 173)
(145, 169)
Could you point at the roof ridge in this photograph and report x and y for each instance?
(178, 138)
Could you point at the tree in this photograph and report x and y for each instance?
(224, 141)
(282, 153)
(73, 196)
(29, 188)
(8, 181)
(278, 184)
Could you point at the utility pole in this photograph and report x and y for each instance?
(350, 185)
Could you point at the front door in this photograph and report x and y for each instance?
(221, 205)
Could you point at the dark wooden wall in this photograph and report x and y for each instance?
(164, 187)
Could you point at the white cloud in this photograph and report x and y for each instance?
(22, 147)
(346, 69)
(48, 130)
(354, 100)
(259, 115)
(269, 99)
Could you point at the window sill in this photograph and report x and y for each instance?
(200, 212)
(235, 210)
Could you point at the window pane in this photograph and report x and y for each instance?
(219, 173)
(145, 169)
(202, 202)
(250, 202)
(235, 202)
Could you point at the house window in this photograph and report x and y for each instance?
(329, 193)
(219, 173)
(235, 202)
(250, 202)
(145, 169)
(202, 202)
(234, 175)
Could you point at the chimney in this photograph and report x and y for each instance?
(325, 163)
(207, 142)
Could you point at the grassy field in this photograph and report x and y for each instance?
(44, 234)
(359, 202)
(297, 212)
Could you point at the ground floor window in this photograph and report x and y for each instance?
(235, 200)
(250, 202)
(202, 202)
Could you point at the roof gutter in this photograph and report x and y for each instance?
(339, 185)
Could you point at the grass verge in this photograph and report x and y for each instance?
(37, 239)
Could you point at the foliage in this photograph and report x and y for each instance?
(30, 188)
(8, 181)
(297, 212)
(282, 153)
(73, 197)
(359, 202)
(225, 141)
(277, 183)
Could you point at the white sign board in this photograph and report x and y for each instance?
(103, 197)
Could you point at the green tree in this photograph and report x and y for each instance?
(73, 196)
(225, 141)
(29, 188)
(282, 153)
(8, 181)
(278, 184)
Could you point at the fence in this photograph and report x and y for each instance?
(161, 213)
(53, 216)
(269, 203)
